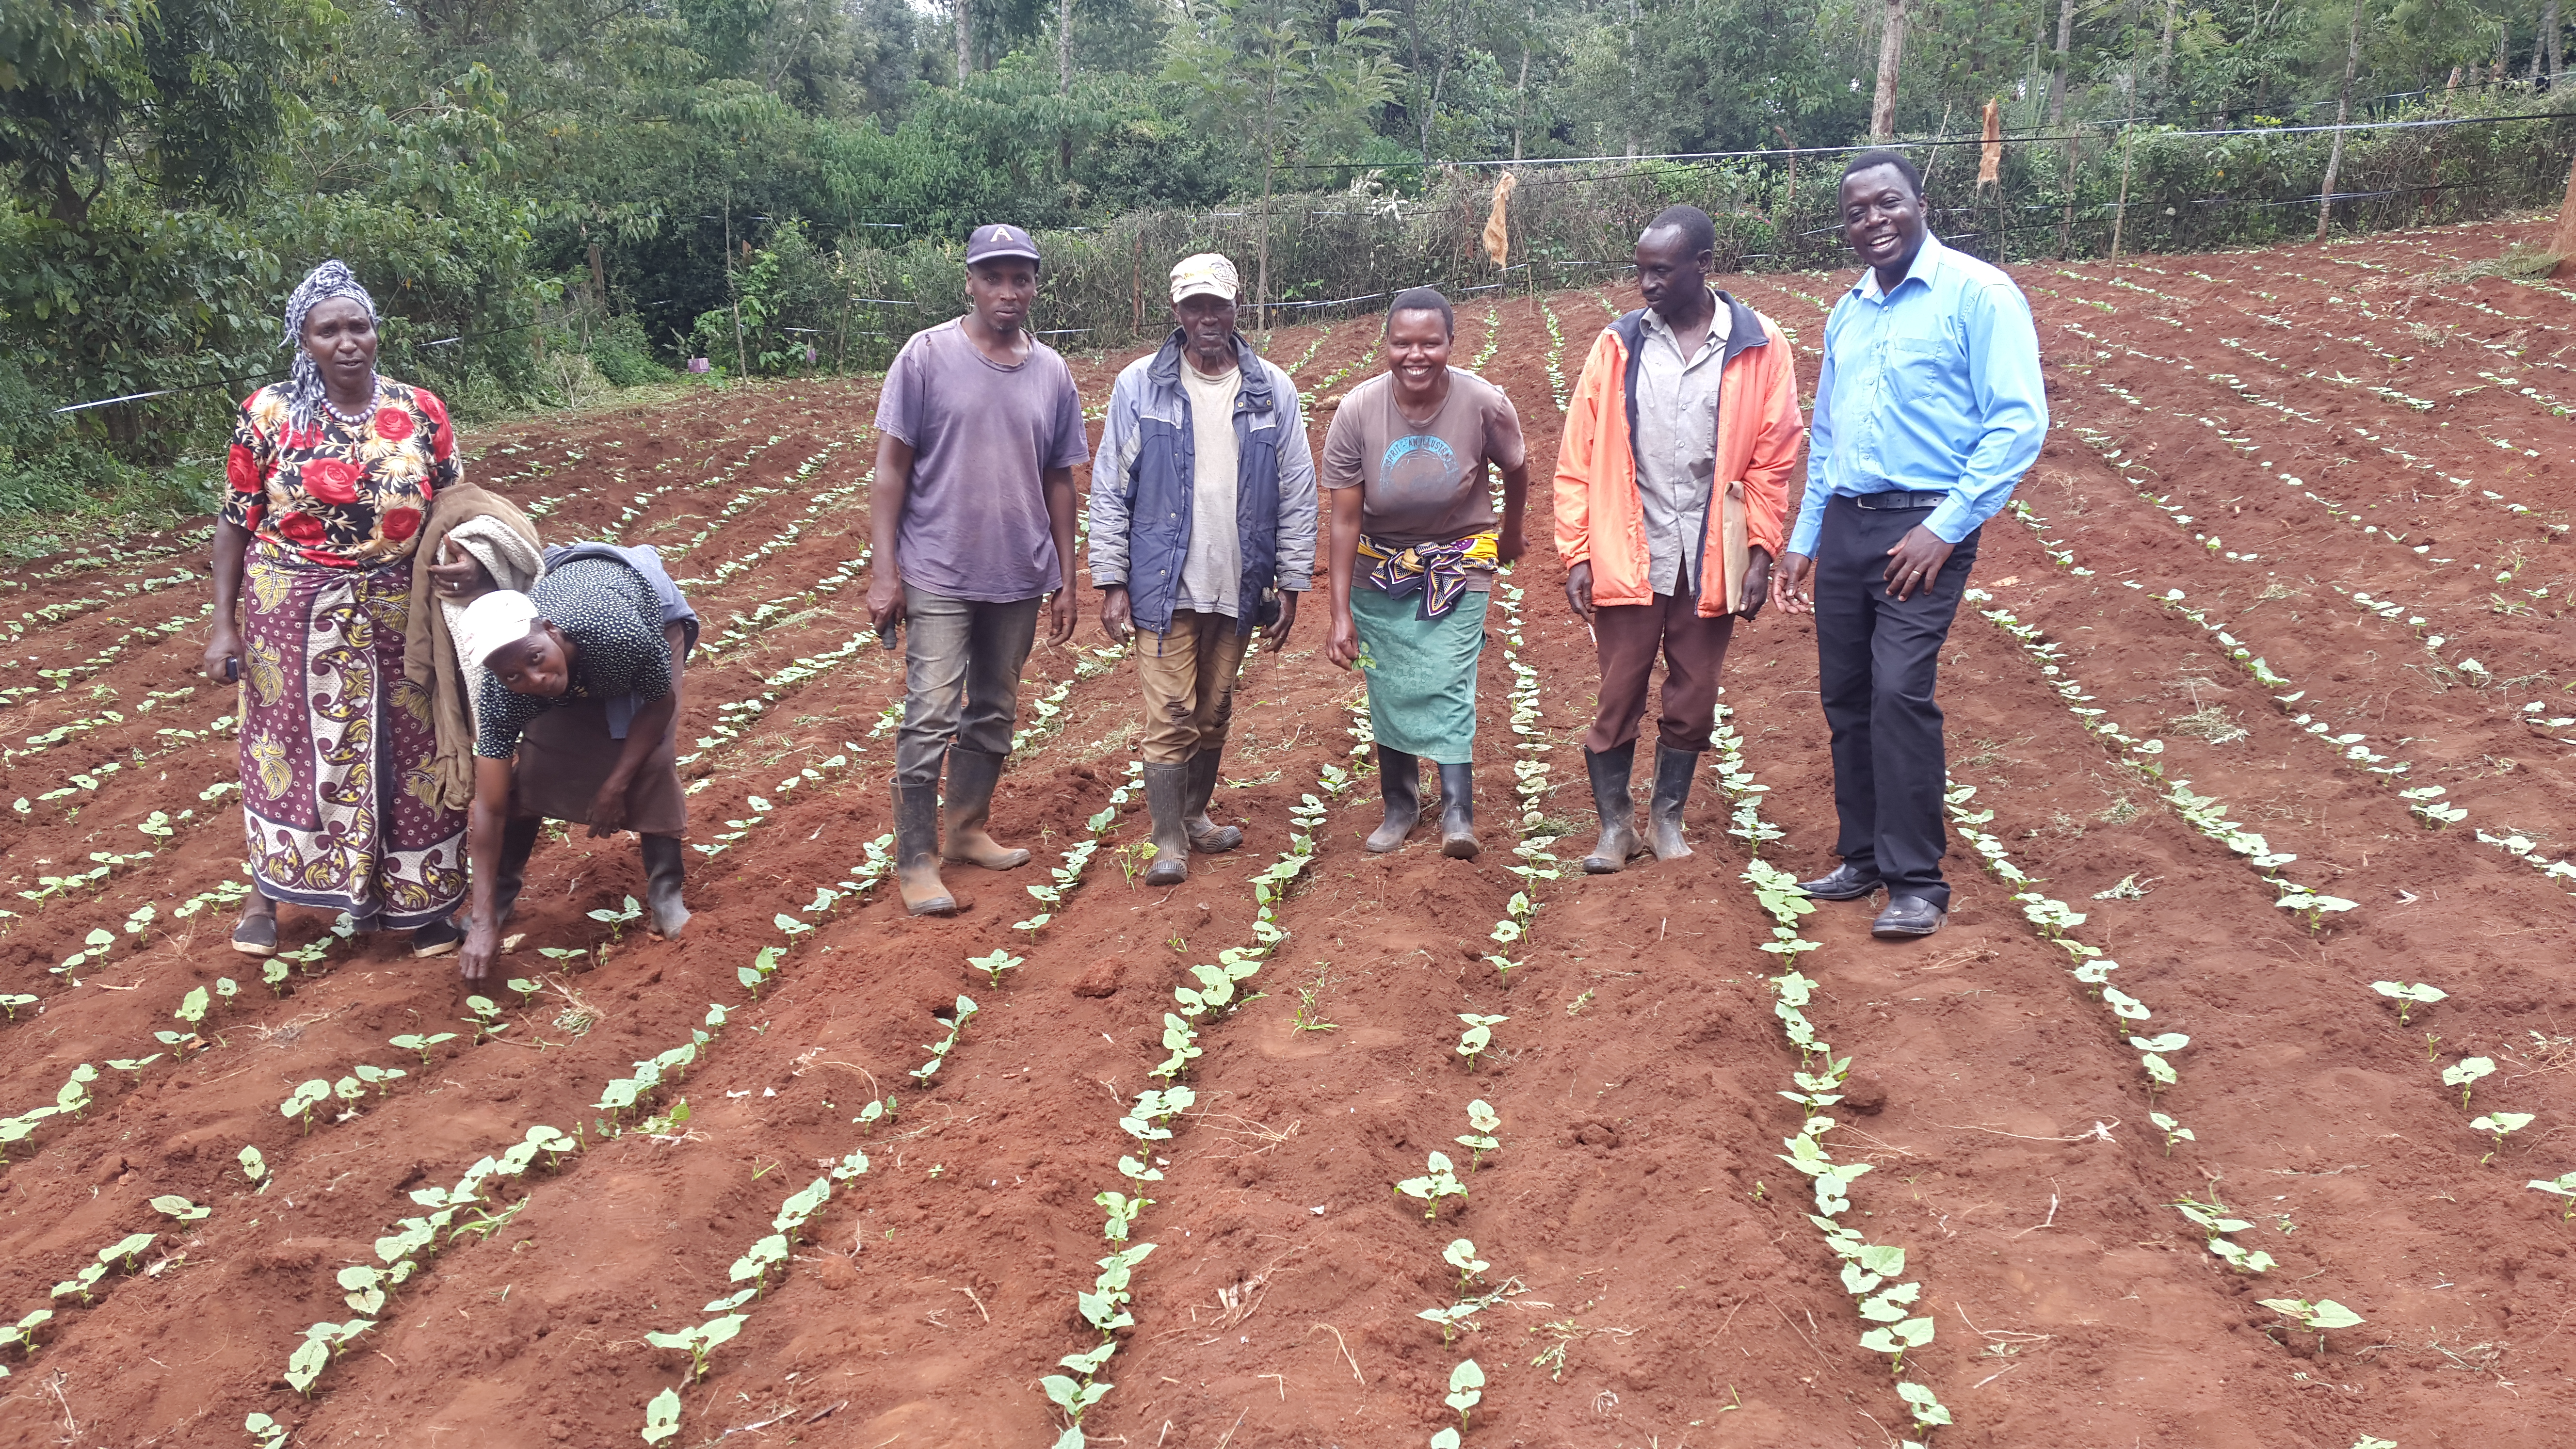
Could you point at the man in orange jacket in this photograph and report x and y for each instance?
(1672, 492)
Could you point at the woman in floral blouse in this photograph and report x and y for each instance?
(332, 472)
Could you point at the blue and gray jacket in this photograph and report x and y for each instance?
(1141, 489)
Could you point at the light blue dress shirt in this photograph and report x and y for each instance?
(1931, 388)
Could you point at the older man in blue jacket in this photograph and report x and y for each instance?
(1202, 530)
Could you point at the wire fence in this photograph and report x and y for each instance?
(2070, 192)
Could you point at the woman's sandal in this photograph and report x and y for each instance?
(256, 935)
(437, 938)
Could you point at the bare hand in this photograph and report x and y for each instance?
(885, 598)
(459, 578)
(608, 809)
(481, 953)
(1757, 584)
(1790, 584)
(223, 647)
(1060, 619)
(1117, 619)
(1915, 562)
(1511, 545)
(1275, 633)
(1342, 642)
(1578, 588)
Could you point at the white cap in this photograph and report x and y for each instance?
(1208, 274)
(491, 621)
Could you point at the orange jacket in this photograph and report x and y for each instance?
(1599, 517)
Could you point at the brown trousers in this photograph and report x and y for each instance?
(1694, 649)
(1188, 675)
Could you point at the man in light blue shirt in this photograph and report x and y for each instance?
(1929, 409)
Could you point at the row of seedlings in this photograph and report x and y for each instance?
(2425, 802)
(2204, 813)
(1870, 1270)
(2054, 921)
(1216, 990)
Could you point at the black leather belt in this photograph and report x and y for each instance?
(1898, 502)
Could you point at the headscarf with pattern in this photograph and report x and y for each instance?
(304, 395)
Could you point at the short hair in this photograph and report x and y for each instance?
(1698, 232)
(1423, 299)
(1872, 160)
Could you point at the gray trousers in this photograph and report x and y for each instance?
(961, 662)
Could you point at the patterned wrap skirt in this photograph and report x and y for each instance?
(336, 748)
(1422, 672)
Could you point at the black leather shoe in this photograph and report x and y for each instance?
(1908, 918)
(1843, 883)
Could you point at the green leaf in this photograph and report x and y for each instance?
(662, 1416)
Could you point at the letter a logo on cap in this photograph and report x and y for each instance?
(990, 243)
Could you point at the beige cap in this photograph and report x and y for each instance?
(497, 618)
(1208, 274)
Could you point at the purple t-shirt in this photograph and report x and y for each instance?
(975, 519)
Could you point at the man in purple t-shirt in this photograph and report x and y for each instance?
(972, 526)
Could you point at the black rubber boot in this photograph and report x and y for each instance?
(1399, 781)
(1458, 812)
(1166, 788)
(916, 852)
(510, 872)
(666, 866)
(1206, 836)
(972, 774)
(1673, 771)
(1619, 844)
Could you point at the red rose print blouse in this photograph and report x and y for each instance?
(343, 496)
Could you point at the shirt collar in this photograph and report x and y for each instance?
(1926, 261)
(1721, 322)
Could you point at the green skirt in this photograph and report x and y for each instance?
(1422, 672)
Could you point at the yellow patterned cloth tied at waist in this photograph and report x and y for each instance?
(1439, 570)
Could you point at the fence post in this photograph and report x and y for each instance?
(2564, 245)
(2120, 214)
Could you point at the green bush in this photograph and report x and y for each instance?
(619, 350)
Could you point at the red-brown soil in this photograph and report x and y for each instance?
(1666, 1281)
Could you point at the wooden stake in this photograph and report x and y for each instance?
(2564, 245)
(2120, 215)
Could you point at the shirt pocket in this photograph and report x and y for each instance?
(1925, 371)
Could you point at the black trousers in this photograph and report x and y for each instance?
(1878, 658)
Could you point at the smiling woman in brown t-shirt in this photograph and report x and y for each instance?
(1411, 447)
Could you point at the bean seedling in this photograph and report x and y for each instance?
(2561, 1186)
(2174, 1131)
(1438, 1181)
(618, 920)
(2502, 1124)
(1461, 1255)
(253, 1165)
(23, 1335)
(414, 1042)
(1466, 1388)
(300, 1104)
(134, 1065)
(1478, 1035)
(994, 965)
(700, 1341)
(486, 1020)
(939, 1050)
(1482, 1118)
(2409, 997)
(2465, 1074)
(527, 989)
(2321, 1315)
(180, 1208)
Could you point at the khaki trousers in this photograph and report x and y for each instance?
(1188, 675)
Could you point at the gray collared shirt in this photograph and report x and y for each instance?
(1677, 445)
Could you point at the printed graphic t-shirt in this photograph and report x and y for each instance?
(975, 519)
(1426, 482)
